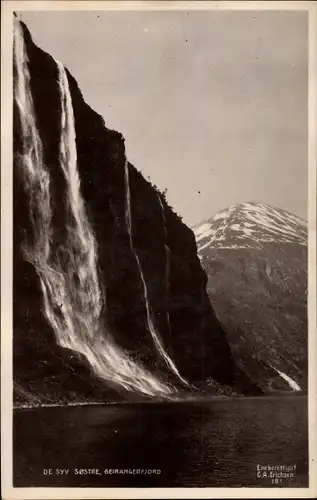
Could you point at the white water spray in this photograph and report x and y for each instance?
(149, 313)
(73, 300)
(293, 385)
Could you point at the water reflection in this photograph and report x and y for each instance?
(218, 443)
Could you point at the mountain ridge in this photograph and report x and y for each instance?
(253, 216)
(255, 257)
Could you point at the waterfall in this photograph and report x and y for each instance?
(293, 385)
(167, 266)
(149, 313)
(72, 296)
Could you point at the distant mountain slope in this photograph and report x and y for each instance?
(255, 257)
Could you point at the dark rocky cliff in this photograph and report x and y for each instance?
(45, 372)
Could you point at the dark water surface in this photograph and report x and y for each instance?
(219, 442)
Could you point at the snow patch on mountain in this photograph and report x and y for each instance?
(293, 385)
(248, 225)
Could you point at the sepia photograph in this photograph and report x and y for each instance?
(159, 248)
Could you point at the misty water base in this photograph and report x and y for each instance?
(216, 442)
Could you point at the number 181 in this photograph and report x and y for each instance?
(276, 481)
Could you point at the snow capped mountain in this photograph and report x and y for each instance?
(249, 225)
(255, 258)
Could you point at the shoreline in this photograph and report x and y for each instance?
(202, 399)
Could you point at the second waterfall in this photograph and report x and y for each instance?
(149, 312)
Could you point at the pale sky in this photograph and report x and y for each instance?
(213, 105)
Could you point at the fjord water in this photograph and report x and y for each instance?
(217, 442)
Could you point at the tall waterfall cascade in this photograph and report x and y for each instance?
(73, 300)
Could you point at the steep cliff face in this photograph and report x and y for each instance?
(255, 257)
(163, 248)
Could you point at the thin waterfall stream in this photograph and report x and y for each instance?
(149, 313)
